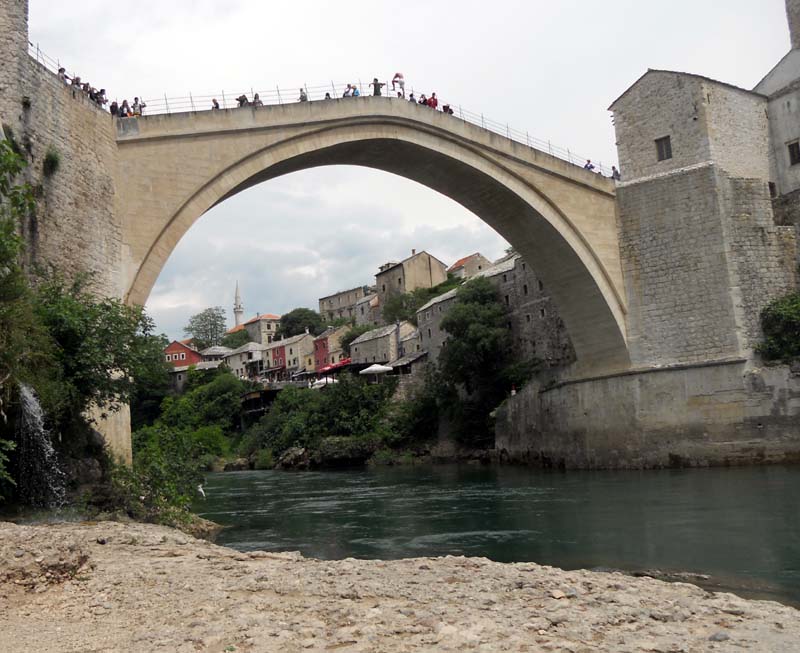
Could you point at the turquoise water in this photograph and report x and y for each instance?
(741, 526)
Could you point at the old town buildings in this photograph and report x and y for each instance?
(537, 330)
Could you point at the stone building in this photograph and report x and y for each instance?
(429, 318)
(342, 304)
(296, 349)
(420, 270)
(262, 328)
(699, 163)
(469, 266)
(380, 345)
(536, 328)
(246, 361)
(409, 343)
(368, 310)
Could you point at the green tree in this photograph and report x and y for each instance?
(235, 339)
(351, 334)
(102, 345)
(298, 320)
(152, 384)
(780, 322)
(207, 327)
(213, 403)
(404, 306)
(477, 366)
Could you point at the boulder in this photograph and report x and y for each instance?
(294, 458)
(238, 465)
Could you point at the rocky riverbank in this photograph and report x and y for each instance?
(135, 587)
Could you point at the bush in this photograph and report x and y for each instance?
(780, 321)
(264, 459)
(51, 162)
(351, 408)
(162, 482)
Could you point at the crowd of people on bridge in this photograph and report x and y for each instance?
(123, 110)
(398, 83)
(353, 90)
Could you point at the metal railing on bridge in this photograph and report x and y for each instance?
(317, 92)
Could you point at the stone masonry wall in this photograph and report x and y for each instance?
(762, 256)
(738, 130)
(74, 229)
(660, 104)
(676, 272)
(793, 14)
(697, 415)
(13, 53)
(536, 327)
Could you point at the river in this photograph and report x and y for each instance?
(740, 526)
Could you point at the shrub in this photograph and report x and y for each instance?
(51, 162)
(264, 459)
(780, 322)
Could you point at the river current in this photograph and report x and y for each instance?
(739, 526)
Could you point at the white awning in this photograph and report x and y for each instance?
(376, 369)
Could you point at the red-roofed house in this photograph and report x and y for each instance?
(178, 353)
(469, 266)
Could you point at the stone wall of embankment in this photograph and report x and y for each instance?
(723, 413)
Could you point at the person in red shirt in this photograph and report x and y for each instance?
(433, 103)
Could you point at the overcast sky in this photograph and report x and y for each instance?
(551, 68)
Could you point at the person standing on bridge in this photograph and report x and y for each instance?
(138, 107)
(401, 82)
(257, 101)
(589, 165)
(376, 86)
(433, 103)
(615, 174)
(303, 96)
(356, 92)
(214, 105)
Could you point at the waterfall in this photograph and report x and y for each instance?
(41, 480)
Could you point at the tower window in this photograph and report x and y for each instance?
(525, 289)
(664, 148)
(794, 153)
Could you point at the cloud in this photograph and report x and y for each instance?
(301, 237)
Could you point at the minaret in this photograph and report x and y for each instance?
(238, 309)
(793, 14)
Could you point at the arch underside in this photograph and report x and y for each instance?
(587, 300)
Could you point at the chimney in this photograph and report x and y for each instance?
(793, 14)
(413, 252)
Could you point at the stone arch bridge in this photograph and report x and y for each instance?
(561, 218)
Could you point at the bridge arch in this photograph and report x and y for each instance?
(544, 220)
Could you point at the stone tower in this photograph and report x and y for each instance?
(793, 14)
(13, 57)
(238, 308)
